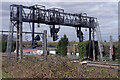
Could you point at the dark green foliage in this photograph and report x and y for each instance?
(62, 46)
(13, 46)
(118, 51)
(83, 48)
(3, 46)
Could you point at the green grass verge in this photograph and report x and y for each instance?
(5, 75)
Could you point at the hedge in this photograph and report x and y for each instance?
(118, 51)
(83, 48)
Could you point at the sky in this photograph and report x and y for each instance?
(105, 12)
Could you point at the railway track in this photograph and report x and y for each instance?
(103, 64)
(98, 64)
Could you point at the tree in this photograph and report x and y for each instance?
(118, 51)
(62, 46)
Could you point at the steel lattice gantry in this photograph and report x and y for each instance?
(54, 16)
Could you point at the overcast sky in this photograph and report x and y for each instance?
(106, 12)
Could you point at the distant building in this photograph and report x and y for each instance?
(36, 52)
(71, 49)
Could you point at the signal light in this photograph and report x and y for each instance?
(55, 37)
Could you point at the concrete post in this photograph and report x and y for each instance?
(111, 48)
(45, 44)
(20, 31)
(93, 46)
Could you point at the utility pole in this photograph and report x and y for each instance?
(45, 44)
(93, 46)
(111, 48)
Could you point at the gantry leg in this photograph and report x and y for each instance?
(93, 45)
(89, 43)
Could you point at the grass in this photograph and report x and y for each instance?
(5, 74)
(54, 67)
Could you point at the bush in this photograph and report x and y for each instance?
(118, 51)
(83, 48)
(3, 46)
(13, 46)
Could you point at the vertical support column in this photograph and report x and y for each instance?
(10, 38)
(33, 35)
(45, 44)
(89, 43)
(33, 44)
(93, 46)
(20, 38)
(17, 37)
(53, 33)
(80, 36)
(17, 42)
(20, 31)
(111, 48)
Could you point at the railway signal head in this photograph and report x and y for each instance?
(55, 37)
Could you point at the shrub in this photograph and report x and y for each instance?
(118, 51)
(3, 46)
(83, 48)
(13, 46)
